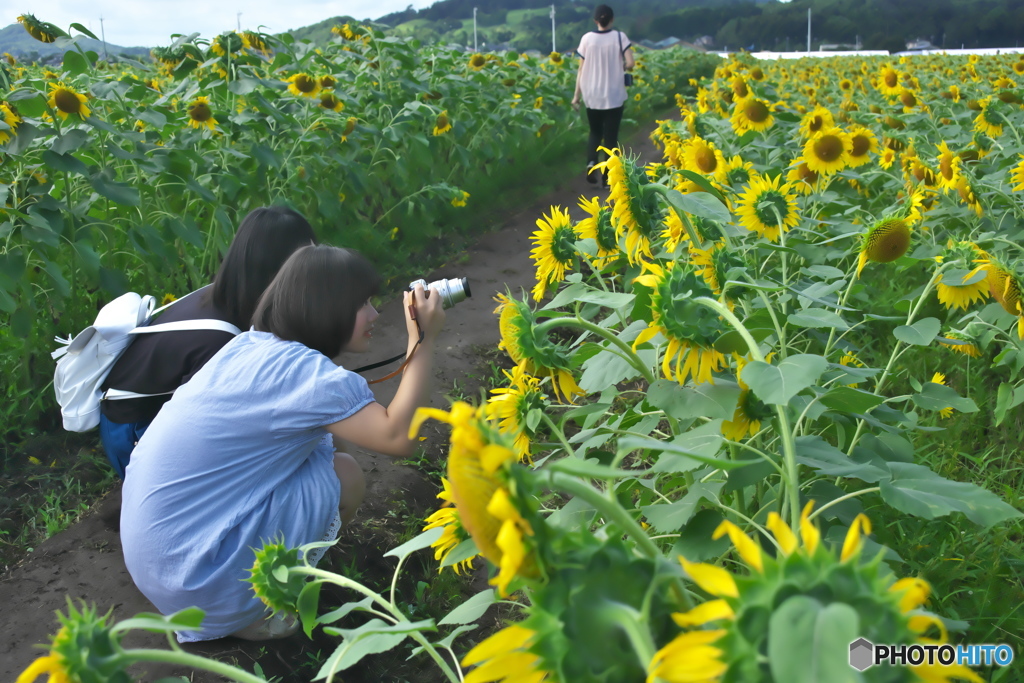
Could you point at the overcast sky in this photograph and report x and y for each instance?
(149, 23)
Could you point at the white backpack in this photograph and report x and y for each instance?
(86, 360)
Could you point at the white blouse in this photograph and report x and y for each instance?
(601, 75)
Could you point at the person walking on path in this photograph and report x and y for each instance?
(605, 57)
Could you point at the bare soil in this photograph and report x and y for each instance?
(84, 562)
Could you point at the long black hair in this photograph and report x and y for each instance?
(264, 241)
(315, 298)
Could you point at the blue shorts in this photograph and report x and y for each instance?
(119, 441)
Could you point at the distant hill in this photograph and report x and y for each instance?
(16, 40)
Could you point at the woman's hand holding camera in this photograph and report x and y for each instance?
(423, 312)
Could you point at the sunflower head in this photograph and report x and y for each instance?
(83, 649)
(227, 43)
(752, 113)
(273, 561)
(885, 241)
(768, 207)
(42, 31)
(200, 114)
(961, 342)
(815, 121)
(539, 355)
(598, 227)
(725, 634)
(477, 61)
(554, 249)
(66, 101)
(487, 495)
(9, 115)
(443, 124)
(514, 405)
(302, 84)
(330, 101)
(828, 151)
(446, 548)
(635, 212)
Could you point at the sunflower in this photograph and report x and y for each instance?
(751, 113)
(556, 58)
(963, 295)
(767, 208)
(329, 101)
(948, 168)
(302, 84)
(505, 657)
(460, 199)
(200, 114)
(909, 100)
(968, 196)
(828, 151)
(345, 31)
(633, 215)
(738, 172)
(963, 343)
(749, 412)
(327, 82)
(702, 156)
(1017, 175)
(253, 41)
(66, 101)
(477, 61)
(739, 87)
(554, 249)
(721, 635)
(1005, 288)
(227, 43)
(443, 124)
(598, 227)
(713, 264)
(511, 406)
(801, 178)
(889, 81)
(990, 119)
(940, 379)
(884, 242)
(690, 328)
(887, 158)
(350, 125)
(862, 144)
(815, 121)
(538, 355)
(447, 518)
(477, 472)
(11, 118)
(40, 30)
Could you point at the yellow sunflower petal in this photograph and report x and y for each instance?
(703, 613)
(714, 580)
(747, 548)
(808, 532)
(915, 592)
(783, 534)
(854, 541)
(506, 640)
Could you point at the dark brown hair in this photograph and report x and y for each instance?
(315, 297)
(603, 15)
(265, 239)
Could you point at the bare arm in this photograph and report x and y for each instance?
(578, 92)
(628, 59)
(386, 430)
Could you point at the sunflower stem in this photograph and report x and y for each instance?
(607, 506)
(557, 432)
(631, 622)
(792, 472)
(842, 302)
(193, 661)
(582, 324)
(840, 499)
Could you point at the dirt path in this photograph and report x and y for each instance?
(85, 561)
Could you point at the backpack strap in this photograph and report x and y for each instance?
(182, 325)
(179, 326)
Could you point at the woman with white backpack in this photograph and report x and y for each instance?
(155, 365)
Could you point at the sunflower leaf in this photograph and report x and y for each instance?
(934, 396)
(777, 384)
(920, 333)
(702, 400)
(418, 543)
(470, 610)
(818, 318)
(917, 490)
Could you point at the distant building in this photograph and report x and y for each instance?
(920, 44)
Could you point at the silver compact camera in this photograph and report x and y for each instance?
(451, 291)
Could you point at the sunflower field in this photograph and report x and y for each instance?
(133, 176)
(759, 401)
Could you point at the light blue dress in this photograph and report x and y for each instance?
(239, 455)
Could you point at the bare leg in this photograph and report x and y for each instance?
(353, 486)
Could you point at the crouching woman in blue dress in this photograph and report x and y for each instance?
(243, 452)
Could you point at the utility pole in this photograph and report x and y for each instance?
(103, 35)
(238, 18)
(553, 29)
(474, 31)
(808, 29)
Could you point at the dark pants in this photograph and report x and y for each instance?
(119, 441)
(604, 130)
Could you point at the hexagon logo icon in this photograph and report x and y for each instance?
(861, 654)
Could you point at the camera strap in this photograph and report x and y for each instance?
(408, 358)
